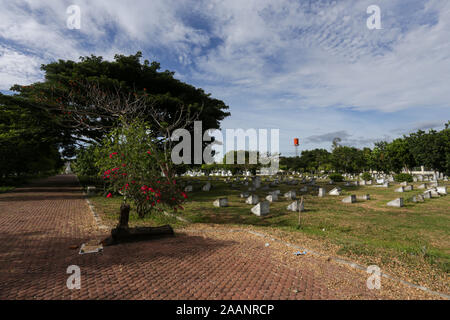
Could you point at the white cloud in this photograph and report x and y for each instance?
(16, 68)
(266, 59)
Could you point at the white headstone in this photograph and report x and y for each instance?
(272, 197)
(296, 206)
(188, 188)
(349, 199)
(221, 202)
(364, 197)
(335, 192)
(321, 192)
(261, 209)
(253, 199)
(427, 195)
(396, 203)
(290, 195)
(442, 190)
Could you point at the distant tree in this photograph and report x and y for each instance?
(348, 159)
(378, 160)
(247, 156)
(431, 149)
(28, 142)
(399, 155)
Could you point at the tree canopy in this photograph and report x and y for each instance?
(61, 113)
(64, 90)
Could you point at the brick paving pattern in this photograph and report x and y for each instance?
(40, 223)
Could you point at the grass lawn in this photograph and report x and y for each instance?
(6, 189)
(412, 242)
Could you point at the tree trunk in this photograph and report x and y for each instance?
(124, 216)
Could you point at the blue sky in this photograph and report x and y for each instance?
(310, 68)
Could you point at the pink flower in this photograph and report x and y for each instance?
(109, 195)
(112, 154)
(184, 195)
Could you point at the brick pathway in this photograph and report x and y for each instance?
(40, 223)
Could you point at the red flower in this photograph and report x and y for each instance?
(124, 165)
(109, 195)
(149, 152)
(112, 154)
(184, 195)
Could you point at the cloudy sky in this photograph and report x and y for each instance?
(311, 68)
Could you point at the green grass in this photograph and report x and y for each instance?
(6, 189)
(417, 235)
(109, 210)
(366, 226)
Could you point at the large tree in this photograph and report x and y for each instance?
(69, 88)
(29, 144)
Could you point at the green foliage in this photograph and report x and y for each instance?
(85, 163)
(309, 161)
(431, 149)
(336, 177)
(28, 143)
(348, 159)
(366, 176)
(403, 177)
(249, 161)
(133, 165)
(164, 92)
(399, 155)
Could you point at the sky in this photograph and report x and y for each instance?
(312, 69)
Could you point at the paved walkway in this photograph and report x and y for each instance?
(40, 223)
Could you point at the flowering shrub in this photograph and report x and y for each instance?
(134, 167)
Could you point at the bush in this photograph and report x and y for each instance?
(366, 176)
(336, 177)
(402, 177)
(135, 167)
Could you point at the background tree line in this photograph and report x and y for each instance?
(429, 149)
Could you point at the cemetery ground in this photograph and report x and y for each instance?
(411, 243)
(43, 224)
